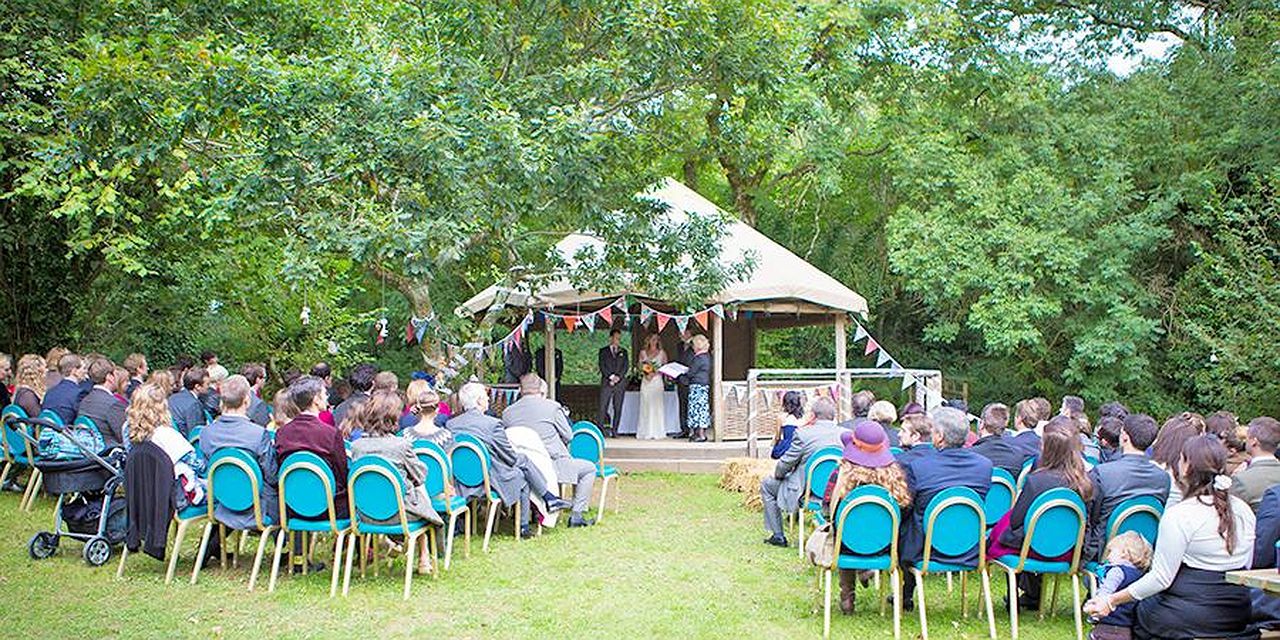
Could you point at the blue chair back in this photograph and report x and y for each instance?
(1141, 514)
(587, 444)
(867, 522)
(896, 451)
(307, 487)
(234, 482)
(817, 471)
(14, 444)
(377, 492)
(470, 460)
(587, 425)
(437, 462)
(1000, 496)
(954, 523)
(1055, 525)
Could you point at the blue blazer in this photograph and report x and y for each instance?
(928, 473)
(188, 412)
(64, 399)
(1267, 529)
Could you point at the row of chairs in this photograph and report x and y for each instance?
(956, 521)
(376, 507)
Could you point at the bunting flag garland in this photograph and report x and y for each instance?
(733, 313)
(701, 317)
(882, 358)
(872, 345)
(645, 313)
(663, 319)
(606, 314)
(717, 309)
(589, 321)
(859, 334)
(408, 332)
(570, 322)
(907, 381)
(682, 322)
(933, 397)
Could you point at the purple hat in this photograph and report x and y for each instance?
(867, 445)
(911, 408)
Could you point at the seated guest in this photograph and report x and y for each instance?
(928, 474)
(233, 429)
(506, 473)
(283, 409)
(1060, 465)
(861, 403)
(64, 397)
(865, 461)
(305, 432)
(188, 411)
(1109, 439)
(208, 358)
(361, 379)
(1267, 531)
(1210, 532)
(256, 375)
(6, 369)
(163, 379)
(1073, 406)
(785, 489)
(52, 360)
(884, 414)
(1225, 425)
(149, 421)
(28, 384)
(1131, 475)
(551, 422)
(209, 399)
(915, 438)
(136, 365)
(792, 418)
(1167, 449)
(1029, 417)
(377, 419)
(420, 421)
(992, 444)
(386, 381)
(1127, 557)
(101, 404)
(120, 384)
(1113, 410)
(1263, 471)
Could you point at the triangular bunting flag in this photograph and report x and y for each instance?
(606, 314)
(871, 346)
(645, 312)
(682, 322)
(859, 333)
(570, 322)
(882, 358)
(422, 329)
(733, 313)
(894, 366)
(908, 380)
(589, 321)
(701, 317)
(718, 310)
(409, 333)
(621, 303)
(663, 319)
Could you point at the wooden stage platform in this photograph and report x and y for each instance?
(678, 456)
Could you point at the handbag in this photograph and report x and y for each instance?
(820, 548)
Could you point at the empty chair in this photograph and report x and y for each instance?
(587, 444)
(999, 499)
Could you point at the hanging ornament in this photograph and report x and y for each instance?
(333, 348)
(382, 330)
(305, 316)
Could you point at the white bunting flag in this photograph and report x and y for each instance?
(908, 380)
(859, 334)
(882, 358)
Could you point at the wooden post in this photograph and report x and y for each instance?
(842, 362)
(549, 359)
(717, 376)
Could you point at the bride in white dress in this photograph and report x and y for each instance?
(652, 424)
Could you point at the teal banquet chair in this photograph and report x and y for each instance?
(1141, 514)
(1000, 497)
(182, 520)
(307, 487)
(587, 443)
(866, 533)
(470, 461)
(1054, 527)
(234, 482)
(376, 490)
(817, 470)
(954, 524)
(439, 475)
(18, 452)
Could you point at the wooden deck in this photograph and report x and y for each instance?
(678, 456)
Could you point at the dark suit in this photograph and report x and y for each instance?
(684, 355)
(928, 473)
(1132, 476)
(1028, 442)
(259, 411)
(1002, 452)
(106, 411)
(612, 364)
(1267, 530)
(188, 412)
(540, 364)
(64, 399)
(516, 363)
(340, 412)
(133, 385)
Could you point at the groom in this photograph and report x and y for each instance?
(613, 383)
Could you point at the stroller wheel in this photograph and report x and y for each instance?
(97, 551)
(42, 545)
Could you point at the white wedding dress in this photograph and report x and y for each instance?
(653, 421)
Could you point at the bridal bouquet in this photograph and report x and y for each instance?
(647, 368)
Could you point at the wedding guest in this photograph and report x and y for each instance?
(101, 404)
(613, 363)
(52, 360)
(861, 402)
(361, 381)
(1112, 410)
(1128, 556)
(1225, 425)
(515, 363)
(208, 358)
(1167, 449)
(884, 414)
(865, 461)
(992, 444)
(305, 432)
(420, 422)
(386, 381)
(64, 398)
(6, 370)
(28, 385)
(684, 355)
(792, 419)
(188, 411)
(1263, 471)
(784, 490)
(233, 429)
(149, 421)
(283, 409)
(915, 438)
(700, 389)
(550, 421)
(507, 476)
(136, 365)
(256, 375)
(120, 383)
(1131, 475)
(1109, 439)
(1210, 532)
(210, 399)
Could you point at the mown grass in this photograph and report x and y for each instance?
(681, 559)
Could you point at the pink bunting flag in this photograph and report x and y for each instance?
(663, 319)
(607, 315)
(701, 317)
(872, 345)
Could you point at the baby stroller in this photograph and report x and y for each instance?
(88, 508)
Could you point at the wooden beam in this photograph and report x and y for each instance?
(717, 376)
(549, 359)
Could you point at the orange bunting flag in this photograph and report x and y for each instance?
(570, 322)
(663, 319)
(701, 317)
(871, 346)
(606, 314)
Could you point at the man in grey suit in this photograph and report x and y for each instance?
(101, 404)
(613, 382)
(547, 417)
(510, 473)
(1263, 472)
(782, 491)
(1132, 475)
(234, 429)
(259, 411)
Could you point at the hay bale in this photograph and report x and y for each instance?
(743, 475)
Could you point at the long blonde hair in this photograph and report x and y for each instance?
(852, 476)
(31, 374)
(148, 411)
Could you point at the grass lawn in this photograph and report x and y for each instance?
(681, 559)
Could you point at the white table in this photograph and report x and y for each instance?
(631, 412)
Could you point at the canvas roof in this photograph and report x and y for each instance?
(781, 280)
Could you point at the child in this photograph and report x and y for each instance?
(1128, 557)
(1109, 439)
